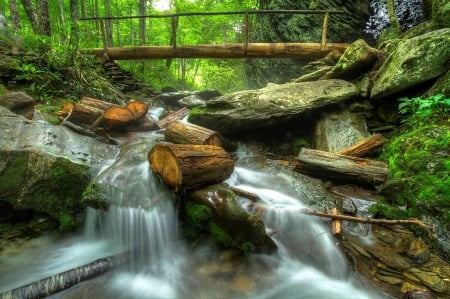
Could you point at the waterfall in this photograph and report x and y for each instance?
(153, 260)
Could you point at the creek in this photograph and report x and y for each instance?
(152, 259)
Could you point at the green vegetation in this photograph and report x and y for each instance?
(419, 163)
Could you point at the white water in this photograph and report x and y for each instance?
(155, 262)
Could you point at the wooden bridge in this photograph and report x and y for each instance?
(244, 49)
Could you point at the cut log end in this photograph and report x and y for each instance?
(164, 162)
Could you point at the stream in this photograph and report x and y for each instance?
(152, 260)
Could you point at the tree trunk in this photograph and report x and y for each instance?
(363, 147)
(44, 18)
(185, 133)
(32, 16)
(14, 15)
(177, 115)
(74, 28)
(392, 15)
(108, 24)
(142, 21)
(50, 285)
(184, 167)
(253, 50)
(326, 165)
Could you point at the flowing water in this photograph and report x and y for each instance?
(141, 230)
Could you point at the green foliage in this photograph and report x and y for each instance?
(382, 210)
(418, 111)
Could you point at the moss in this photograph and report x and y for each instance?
(419, 164)
(2, 89)
(13, 176)
(220, 235)
(199, 215)
(95, 197)
(247, 247)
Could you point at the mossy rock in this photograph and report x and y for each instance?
(412, 62)
(46, 184)
(214, 210)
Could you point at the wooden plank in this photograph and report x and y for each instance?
(251, 50)
(336, 167)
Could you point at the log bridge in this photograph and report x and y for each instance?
(245, 49)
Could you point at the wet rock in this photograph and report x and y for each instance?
(413, 61)
(208, 94)
(227, 222)
(338, 130)
(191, 101)
(171, 98)
(430, 279)
(418, 295)
(19, 103)
(269, 106)
(46, 168)
(418, 251)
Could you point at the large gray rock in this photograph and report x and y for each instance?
(413, 61)
(338, 130)
(46, 168)
(272, 105)
(19, 103)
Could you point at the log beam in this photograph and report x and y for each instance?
(186, 133)
(363, 147)
(187, 166)
(325, 165)
(250, 50)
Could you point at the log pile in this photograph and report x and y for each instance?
(96, 113)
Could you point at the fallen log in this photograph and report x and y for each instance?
(177, 115)
(94, 113)
(363, 147)
(187, 166)
(185, 133)
(325, 165)
(50, 285)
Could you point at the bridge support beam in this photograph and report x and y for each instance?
(250, 50)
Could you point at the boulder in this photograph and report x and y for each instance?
(46, 168)
(357, 59)
(337, 130)
(412, 62)
(269, 106)
(19, 103)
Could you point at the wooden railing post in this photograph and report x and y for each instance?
(324, 31)
(173, 37)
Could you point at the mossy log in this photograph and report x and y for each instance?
(325, 165)
(50, 285)
(187, 166)
(185, 133)
(363, 147)
(177, 115)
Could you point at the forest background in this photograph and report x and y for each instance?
(58, 25)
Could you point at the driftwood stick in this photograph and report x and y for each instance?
(61, 281)
(414, 221)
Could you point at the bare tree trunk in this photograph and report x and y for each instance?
(74, 15)
(108, 23)
(83, 9)
(392, 16)
(32, 16)
(14, 15)
(142, 22)
(44, 18)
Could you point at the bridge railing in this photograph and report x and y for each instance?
(174, 29)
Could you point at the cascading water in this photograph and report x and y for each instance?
(141, 229)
